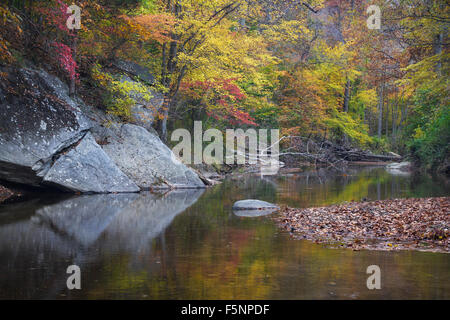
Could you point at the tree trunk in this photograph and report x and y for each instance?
(394, 120)
(380, 110)
(387, 119)
(438, 50)
(163, 122)
(74, 57)
(169, 63)
(347, 96)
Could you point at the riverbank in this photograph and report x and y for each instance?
(400, 224)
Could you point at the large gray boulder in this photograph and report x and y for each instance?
(144, 115)
(87, 168)
(35, 125)
(145, 159)
(44, 137)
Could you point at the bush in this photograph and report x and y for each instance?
(429, 131)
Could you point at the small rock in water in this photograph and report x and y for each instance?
(253, 208)
(253, 205)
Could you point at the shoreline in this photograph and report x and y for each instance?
(387, 225)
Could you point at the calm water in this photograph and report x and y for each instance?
(189, 245)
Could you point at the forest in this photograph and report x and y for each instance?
(316, 69)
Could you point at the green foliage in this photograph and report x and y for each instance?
(380, 145)
(120, 93)
(10, 31)
(344, 124)
(429, 130)
(261, 63)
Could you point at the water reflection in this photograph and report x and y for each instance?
(189, 245)
(69, 232)
(81, 220)
(254, 213)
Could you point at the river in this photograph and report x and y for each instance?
(190, 245)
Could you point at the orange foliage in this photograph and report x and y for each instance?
(156, 27)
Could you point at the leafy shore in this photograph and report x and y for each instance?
(399, 224)
(6, 193)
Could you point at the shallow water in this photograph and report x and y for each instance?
(189, 244)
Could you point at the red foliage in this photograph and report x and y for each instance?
(55, 15)
(65, 59)
(223, 97)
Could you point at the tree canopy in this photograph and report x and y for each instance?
(311, 68)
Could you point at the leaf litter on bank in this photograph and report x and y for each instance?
(417, 224)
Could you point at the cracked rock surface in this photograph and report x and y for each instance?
(43, 133)
(50, 139)
(145, 159)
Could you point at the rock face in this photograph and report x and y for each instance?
(43, 134)
(35, 125)
(133, 69)
(253, 205)
(50, 139)
(144, 116)
(87, 168)
(148, 103)
(145, 159)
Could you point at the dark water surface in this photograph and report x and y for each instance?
(189, 244)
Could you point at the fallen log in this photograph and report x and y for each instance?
(365, 156)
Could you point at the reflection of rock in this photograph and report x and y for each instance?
(127, 221)
(254, 213)
(397, 172)
(146, 217)
(35, 252)
(399, 169)
(83, 218)
(271, 167)
(399, 165)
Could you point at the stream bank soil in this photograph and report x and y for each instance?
(399, 224)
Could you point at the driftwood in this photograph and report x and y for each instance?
(358, 155)
(322, 153)
(331, 153)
